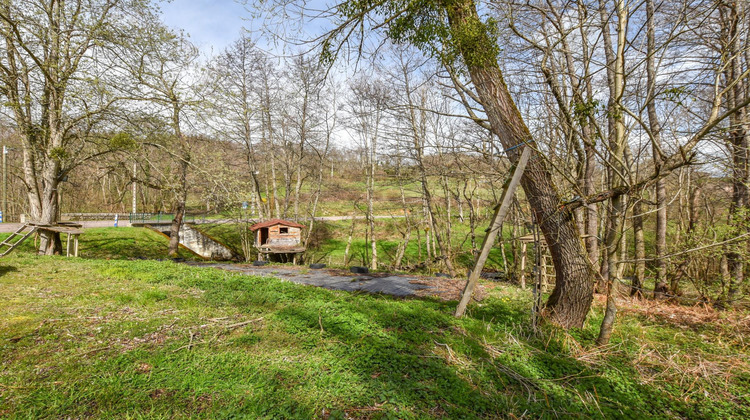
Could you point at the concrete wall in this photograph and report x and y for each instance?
(200, 243)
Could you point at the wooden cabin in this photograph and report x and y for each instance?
(278, 239)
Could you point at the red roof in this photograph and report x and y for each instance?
(274, 222)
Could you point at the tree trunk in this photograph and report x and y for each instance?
(571, 298)
(256, 185)
(618, 152)
(660, 283)
(737, 142)
(608, 323)
(591, 238)
(174, 228)
(445, 254)
(372, 157)
(636, 289)
(297, 190)
(418, 139)
(314, 209)
(426, 222)
(473, 222)
(301, 149)
(49, 242)
(407, 221)
(349, 240)
(49, 212)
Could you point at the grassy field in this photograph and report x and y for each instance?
(109, 337)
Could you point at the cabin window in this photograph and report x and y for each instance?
(284, 230)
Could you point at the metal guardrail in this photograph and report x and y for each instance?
(157, 217)
(92, 216)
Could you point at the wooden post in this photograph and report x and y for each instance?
(67, 250)
(536, 292)
(500, 212)
(543, 257)
(523, 265)
(505, 261)
(75, 239)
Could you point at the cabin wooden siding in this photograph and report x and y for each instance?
(278, 237)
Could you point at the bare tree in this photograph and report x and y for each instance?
(54, 78)
(368, 107)
(166, 84)
(238, 105)
(735, 41)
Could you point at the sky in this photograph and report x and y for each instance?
(211, 24)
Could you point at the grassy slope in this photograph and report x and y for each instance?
(389, 238)
(125, 243)
(115, 243)
(86, 337)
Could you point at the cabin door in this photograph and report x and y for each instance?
(263, 236)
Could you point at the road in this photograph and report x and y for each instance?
(12, 227)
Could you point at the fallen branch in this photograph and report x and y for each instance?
(224, 330)
(242, 324)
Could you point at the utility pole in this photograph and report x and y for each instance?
(135, 187)
(5, 183)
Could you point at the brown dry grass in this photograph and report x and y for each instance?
(447, 289)
(695, 317)
(694, 371)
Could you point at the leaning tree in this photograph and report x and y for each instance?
(453, 32)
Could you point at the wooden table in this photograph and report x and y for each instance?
(72, 229)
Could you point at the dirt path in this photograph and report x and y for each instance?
(388, 283)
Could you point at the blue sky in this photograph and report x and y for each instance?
(211, 24)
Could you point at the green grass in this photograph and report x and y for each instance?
(116, 243)
(329, 243)
(155, 339)
(228, 234)
(127, 243)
